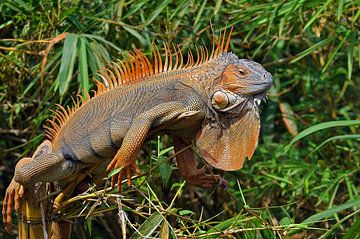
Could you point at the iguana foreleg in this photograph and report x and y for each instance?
(15, 190)
(137, 134)
(13, 196)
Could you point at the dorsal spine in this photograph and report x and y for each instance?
(134, 68)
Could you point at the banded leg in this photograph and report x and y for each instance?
(14, 194)
(15, 191)
(188, 168)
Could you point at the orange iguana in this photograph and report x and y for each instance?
(213, 101)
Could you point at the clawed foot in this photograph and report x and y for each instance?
(206, 180)
(13, 196)
(125, 169)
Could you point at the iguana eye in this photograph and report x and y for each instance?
(243, 72)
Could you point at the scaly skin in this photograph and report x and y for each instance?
(209, 99)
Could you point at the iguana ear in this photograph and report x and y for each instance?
(43, 149)
(226, 148)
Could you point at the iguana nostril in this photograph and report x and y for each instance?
(268, 77)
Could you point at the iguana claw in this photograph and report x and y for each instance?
(127, 169)
(13, 196)
(206, 180)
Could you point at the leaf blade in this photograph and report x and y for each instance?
(67, 63)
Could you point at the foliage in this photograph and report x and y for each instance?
(312, 50)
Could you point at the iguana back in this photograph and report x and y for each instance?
(138, 98)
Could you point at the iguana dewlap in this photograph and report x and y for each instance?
(213, 101)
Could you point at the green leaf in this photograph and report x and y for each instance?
(96, 54)
(133, 32)
(114, 171)
(89, 225)
(165, 151)
(83, 68)
(312, 48)
(149, 226)
(226, 224)
(278, 178)
(322, 126)
(6, 24)
(217, 6)
(346, 136)
(186, 212)
(49, 65)
(285, 221)
(102, 40)
(316, 16)
(354, 231)
(156, 12)
(22, 4)
(67, 63)
(334, 52)
(330, 212)
(350, 54)
(201, 10)
(165, 170)
(339, 9)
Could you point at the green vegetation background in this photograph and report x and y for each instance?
(311, 48)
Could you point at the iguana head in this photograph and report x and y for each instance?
(45, 166)
(230, 132)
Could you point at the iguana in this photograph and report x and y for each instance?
(213, 101)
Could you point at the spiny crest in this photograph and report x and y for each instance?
(134, 68)
(138, 66)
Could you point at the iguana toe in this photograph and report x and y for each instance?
(13, 196)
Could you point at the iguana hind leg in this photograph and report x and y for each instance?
(188, 168)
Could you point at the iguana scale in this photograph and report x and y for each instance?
(212, 101)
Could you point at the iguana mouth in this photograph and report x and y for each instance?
(260, 97)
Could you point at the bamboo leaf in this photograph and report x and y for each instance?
(333, 54)
(133, 32)
(165, 151)
(321, 126)
(317, 14)
(89, 225)
(149, 226)
(83, 68)
(67, 63)
(156, 12)
(350, 54)
(102, 40)
(312, 48)
(165, 170)
(201, 10)
(347, 136)
(330, 212)
(354, 231)
(339, 9)
(224, 225)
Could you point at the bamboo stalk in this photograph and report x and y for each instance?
(31, 222)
